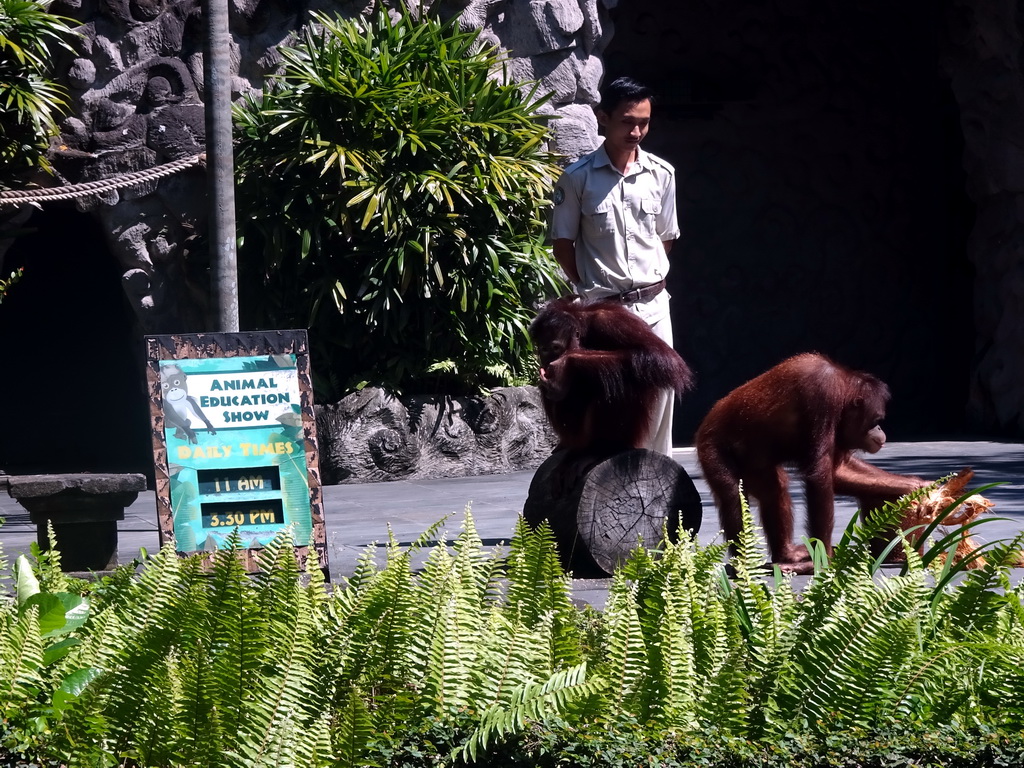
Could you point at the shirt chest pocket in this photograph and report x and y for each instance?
(599, 215)
(650, 210)
(650, 206)
(597, 205)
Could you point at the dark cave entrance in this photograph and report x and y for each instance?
(73, 385)
(821, 194)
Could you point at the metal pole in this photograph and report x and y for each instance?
(220, 166)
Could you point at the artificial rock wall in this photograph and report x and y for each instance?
(137, 103)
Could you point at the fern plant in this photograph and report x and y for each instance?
(488, 636)
(202, 668)
(481, 652)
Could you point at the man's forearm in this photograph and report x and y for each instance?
(565, 255)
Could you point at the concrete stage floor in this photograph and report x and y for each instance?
(359, 515)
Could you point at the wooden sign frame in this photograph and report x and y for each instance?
(236, 453)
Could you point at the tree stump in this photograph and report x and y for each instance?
(601, 507)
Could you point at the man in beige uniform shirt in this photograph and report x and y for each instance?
(614, 222)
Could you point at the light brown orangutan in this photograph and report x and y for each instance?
(807, 411)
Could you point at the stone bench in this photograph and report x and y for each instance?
(84, 510)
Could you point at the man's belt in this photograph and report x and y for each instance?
(639, 295)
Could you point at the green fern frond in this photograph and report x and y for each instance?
(429, 536)
(159, 722)
(725, 698)
(440, 629)
(531, 702)
(21, 654)
(139, 623)
(374, 619)
(706, 608)
(48, 564)
(150, 600)
(936, 684)
(770, 652)
(316, 576)
(353, 729)
(283, 703)
(364, 570)
(452, 646)
(501, 372)
(537, 585)
(473, 565)
(100, 648)
(750, 549)
(626, 664)
(236, 630)
(443, 366)
(753, 601)
(845, 669)
(981, 598)
(763, 618)
(534, 593)
(276, 564)
(510, 655)
(823, 591)
(864, 532)
(667, 624)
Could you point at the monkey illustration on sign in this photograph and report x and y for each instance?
(179, 407)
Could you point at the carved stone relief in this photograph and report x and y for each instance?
(370, 436)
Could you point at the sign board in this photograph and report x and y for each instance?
(234, 442)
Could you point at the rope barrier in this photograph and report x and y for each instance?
(73, 191)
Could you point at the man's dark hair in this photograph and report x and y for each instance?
(623, 90)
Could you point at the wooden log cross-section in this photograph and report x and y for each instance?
(601, 507)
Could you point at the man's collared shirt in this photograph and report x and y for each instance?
(618, 224)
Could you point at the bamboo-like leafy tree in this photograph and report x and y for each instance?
(30, 100)
(393, 189)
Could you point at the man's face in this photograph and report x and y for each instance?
(626, 126)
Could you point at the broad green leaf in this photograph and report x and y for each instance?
(59, 612)
(73, 686)
(60, 649)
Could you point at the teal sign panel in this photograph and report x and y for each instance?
(237, 449)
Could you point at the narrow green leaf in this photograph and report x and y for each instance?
(28, 584)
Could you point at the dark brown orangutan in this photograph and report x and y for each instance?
(810, 412)
(601, 371)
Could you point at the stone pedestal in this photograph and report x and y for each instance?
(84, 510)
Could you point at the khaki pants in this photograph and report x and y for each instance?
(660, 438)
